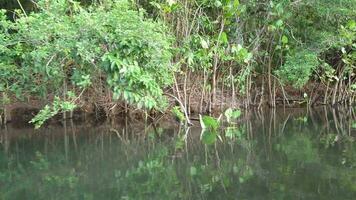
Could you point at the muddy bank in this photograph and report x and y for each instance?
(20, 113)
(98, 107)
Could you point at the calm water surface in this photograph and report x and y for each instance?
(269, 154)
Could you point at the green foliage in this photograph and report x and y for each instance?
(347, 46)
(232, 114)
(138, 62)
(210, 126)
(48, 112)
(298, 68)
(180, 142)
(208, 122)
(176, 110)
(241, 54)
(353, 125)
(328, 140)
(146, 179)
(209, 137)
(299, 149)
(302, 119)
(235, 132)
(64, 41)
(130, 46)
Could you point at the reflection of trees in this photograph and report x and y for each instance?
(268, 155)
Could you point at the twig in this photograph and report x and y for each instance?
(182, 106)
(23, 10)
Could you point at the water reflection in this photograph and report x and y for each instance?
(267, 154)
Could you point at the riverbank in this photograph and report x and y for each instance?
(21, 113)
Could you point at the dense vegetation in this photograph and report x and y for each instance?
(206, 54)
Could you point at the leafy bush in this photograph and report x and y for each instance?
(298, 68)
(66, 44)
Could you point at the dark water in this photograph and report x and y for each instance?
(270, 154)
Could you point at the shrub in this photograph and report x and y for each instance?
(64, 42)
(298, 68)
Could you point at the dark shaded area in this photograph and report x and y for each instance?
(28, 5)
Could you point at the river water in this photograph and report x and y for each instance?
(266, 154)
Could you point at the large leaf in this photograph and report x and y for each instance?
(208, 122)
(209, 137)
(231, 114)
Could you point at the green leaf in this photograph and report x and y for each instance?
(193, 171)
(178, 114)
(284, 39)
(49, 111)
(217, 4)
(279, 23)
(171, 2)
(204, 44)
(351, 24)
(231, 114)
(223, 38)
(208, 122)
(354, 125)
(236, 4)
(241, 179)
(209, 137)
